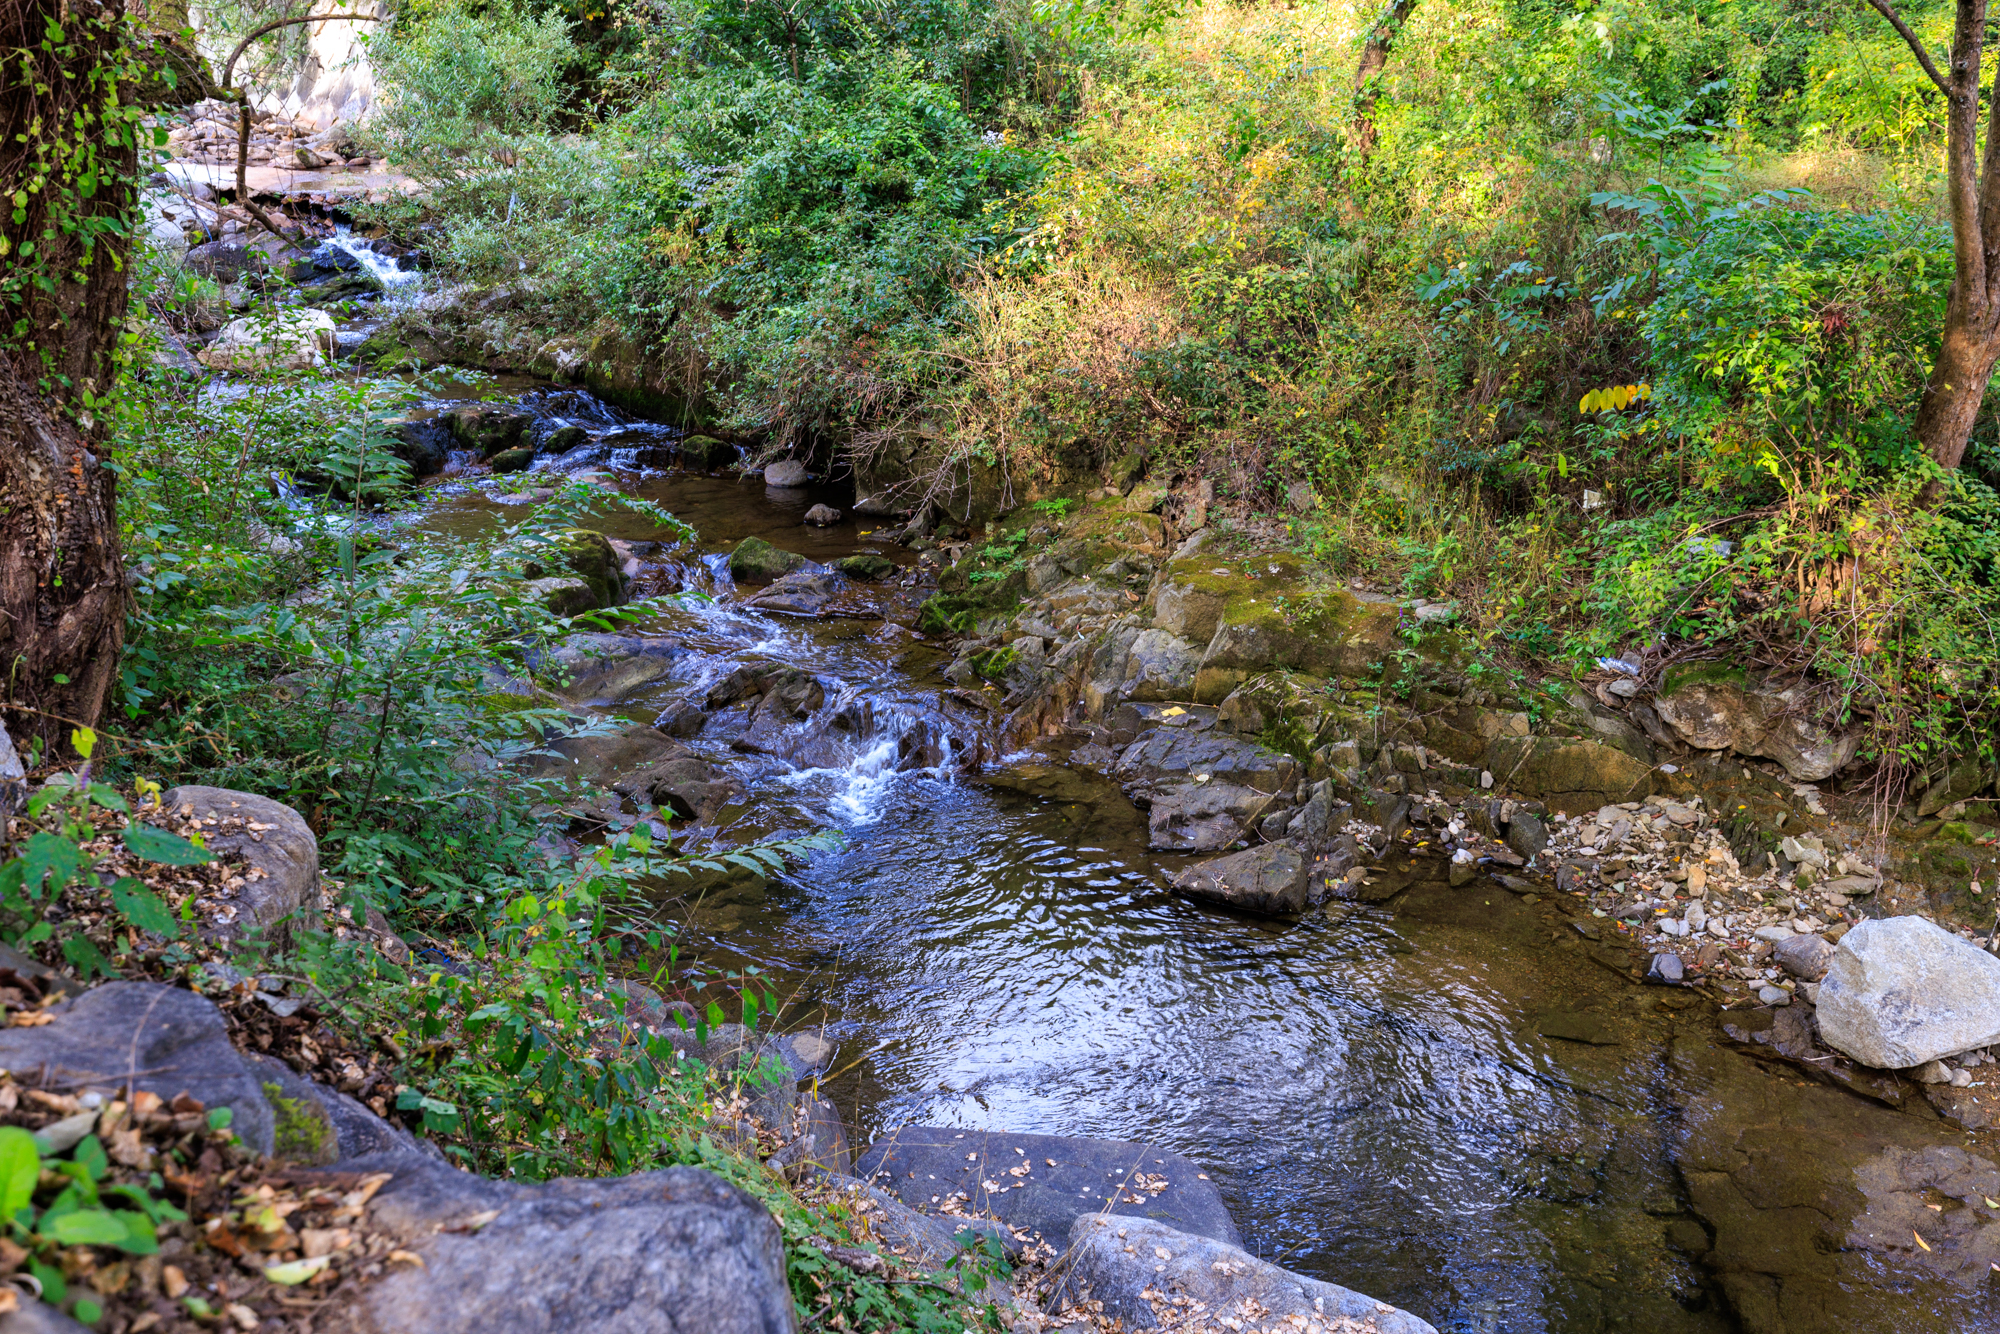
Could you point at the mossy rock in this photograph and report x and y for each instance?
(588, 556)
(1703, 674)
(1271, 618)
(1125, 473)
(705, 451)
(565, 438)
(756, 561)
(1572, 775)
(518, 459)
(564, 597)
(866, 565)
(302, 1131)
(343, 287)
(386, 354)
(992, 663)
(490, 428)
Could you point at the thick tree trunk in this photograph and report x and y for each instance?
(70, 150)
(1367, 74)
(1957, 387)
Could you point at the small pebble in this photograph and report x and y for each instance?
(1774, 996)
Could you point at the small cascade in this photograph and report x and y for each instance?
(385, 269)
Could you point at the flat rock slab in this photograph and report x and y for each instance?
(1042, 1183)
(1901, 991)
(273, 838)
(1271, 879)
(1151, 1276)
(668, 1252)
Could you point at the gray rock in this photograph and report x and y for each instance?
(13, 778)
(1149, 1275)
(33, 1317)
(273, 838)
(1161, 666)
(803, 592)
(1932, 1072)
(787, 473)
(604, 758)
(1202, 817)
(163, 1039)
(866, 565)
(1527, 835)
(226, 261)
(1804, 957)
(1175, 753)
(605, 667)
(1738, 716)
(822, 516)
(1773, 996)
(1901, 992)
(926, 1241)
(666, 1252)
(1272, 878)
(1043, 1182)
(1666, 968)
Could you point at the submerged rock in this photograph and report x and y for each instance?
(1043, 1182)
(1150, 1276)
(1274, 878)
(821, 516)
(804, 592)
(1901, 992)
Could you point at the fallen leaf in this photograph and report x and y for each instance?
(408, 1258)
(1921, 1242)
(297, 1271)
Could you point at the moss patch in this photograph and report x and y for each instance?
(303, 1134)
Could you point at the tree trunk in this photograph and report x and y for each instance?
(1367, 74)
(1957, 387)
(63, 264)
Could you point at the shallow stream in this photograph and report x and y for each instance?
(1371, 1087)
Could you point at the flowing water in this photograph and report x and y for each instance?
(994, 948)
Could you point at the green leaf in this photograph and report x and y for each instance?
(157, 845)
(90, 1153)
(86, 1227)
(52, 859)
(87, 958)
(143, 908)
(219, 1118)
(88, 1311)
(20, 1169)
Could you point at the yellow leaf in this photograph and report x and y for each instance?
(84, 741)
(1920, 1241)
(297, 1271)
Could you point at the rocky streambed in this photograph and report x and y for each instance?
(1495, 1005)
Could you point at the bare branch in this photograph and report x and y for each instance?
(1916, 43)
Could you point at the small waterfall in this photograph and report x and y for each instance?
(386, 269)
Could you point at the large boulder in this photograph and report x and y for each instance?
(803, 592)
(756, 561)
(604, 758)
(1151, 1276)
(1726, 711)
(1902, 992)
(277, 842)
(1274, 878)
(1043, 1182)
(654, 1253)
(1161, 666)
(866, 565)
(282, 340)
